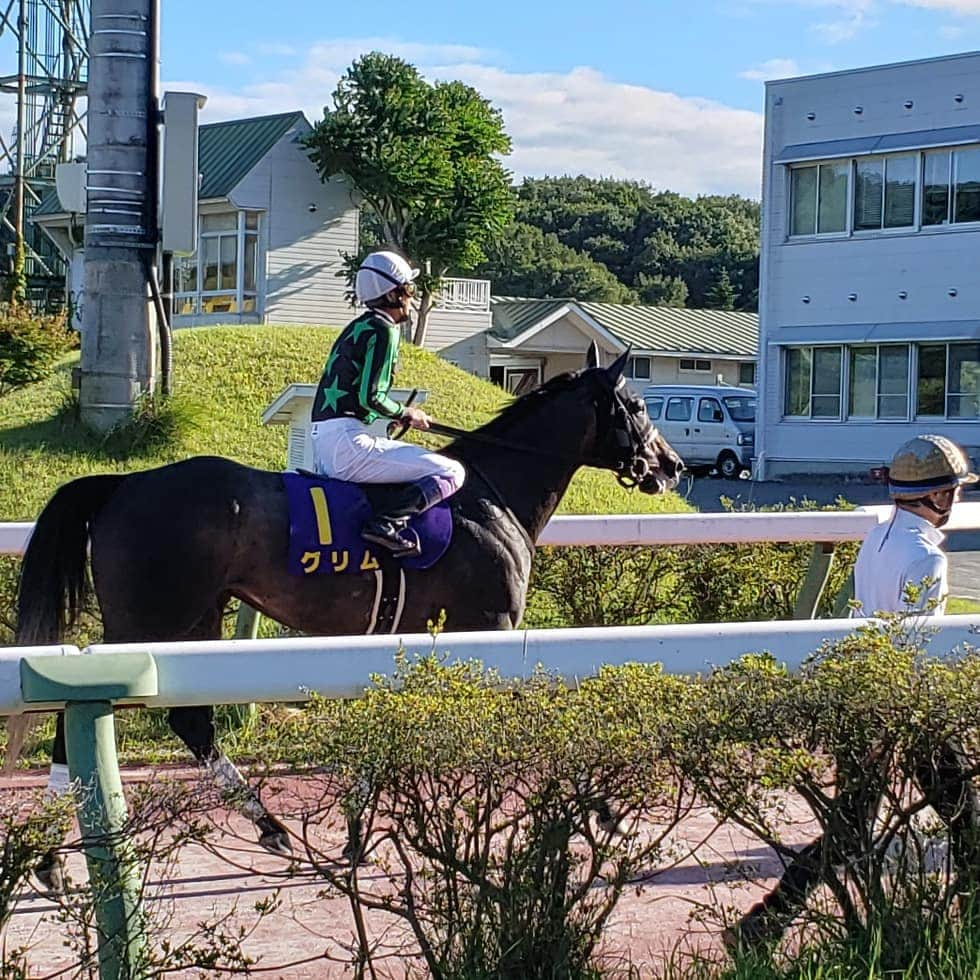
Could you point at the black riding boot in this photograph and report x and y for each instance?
(389, 528)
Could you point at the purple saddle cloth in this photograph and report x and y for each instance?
(325, 521)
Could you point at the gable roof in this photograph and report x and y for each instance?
(227, 151)
(647, 328)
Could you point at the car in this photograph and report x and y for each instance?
(708, 425)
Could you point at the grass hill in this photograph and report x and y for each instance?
(224, 378)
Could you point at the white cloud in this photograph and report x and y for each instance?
(773, 68)
(965, 7)
(234, 58)
(578, 122)
(950, 32)
(276, 50)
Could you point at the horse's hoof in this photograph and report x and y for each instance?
(755, 931)
(274, 837)
(49, 874)
(353, 853)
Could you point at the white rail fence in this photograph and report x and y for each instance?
(676, 529)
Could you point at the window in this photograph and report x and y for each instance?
(223, 276)
(878, 382)
(881, 379)
(930, 385)
(740, 408)
(813, 382)
(710, 411)
(819, 195)
(966, 196)
(695, 364)
(948, 381)
(746, 373)
(655, 406)
(884, 192)
(679, 409)
(638, 368)
(877, 193)
(893, 382)
(963, 381)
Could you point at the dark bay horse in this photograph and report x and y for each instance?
(171, 546)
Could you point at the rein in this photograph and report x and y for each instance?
(626, 478)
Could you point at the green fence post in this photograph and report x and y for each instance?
(817, 575)
(241, 716)
(88, 686)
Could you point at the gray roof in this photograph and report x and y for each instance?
(227, 151)
(647, 328)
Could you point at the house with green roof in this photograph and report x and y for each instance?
(532, 340)
(271, 234)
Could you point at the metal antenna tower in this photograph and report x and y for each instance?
(50, 38)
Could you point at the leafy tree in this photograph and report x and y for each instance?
(423, 158)
(665, 247)
(720, 296)
(527, 262)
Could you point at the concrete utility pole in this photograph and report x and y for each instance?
(119, 334)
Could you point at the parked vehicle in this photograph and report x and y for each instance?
(708, 425)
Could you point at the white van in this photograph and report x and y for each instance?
(708, 425)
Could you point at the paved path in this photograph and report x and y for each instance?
(705, 493)
(656, 915)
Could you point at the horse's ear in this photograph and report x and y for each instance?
(618, 366)
(592, 355)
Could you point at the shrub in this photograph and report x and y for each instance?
(30, 343)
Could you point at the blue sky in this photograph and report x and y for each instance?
(665, 91)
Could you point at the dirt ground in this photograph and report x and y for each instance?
(666, 912)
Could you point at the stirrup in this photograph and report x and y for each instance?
(395, 537)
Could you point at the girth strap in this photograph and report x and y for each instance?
(389, 596)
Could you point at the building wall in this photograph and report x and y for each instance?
(847, 289)
(460, 336)
(303, 248)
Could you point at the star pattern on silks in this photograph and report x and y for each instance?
(331, 395)
(362, 326)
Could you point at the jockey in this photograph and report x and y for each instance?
(353, 393)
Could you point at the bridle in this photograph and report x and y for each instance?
(624, 422)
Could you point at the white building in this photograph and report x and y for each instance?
(870, 294)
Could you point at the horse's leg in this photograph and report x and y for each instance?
(50, 870)
(195, 727)
(766, 921)
(948, 788)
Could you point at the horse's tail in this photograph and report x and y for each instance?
(53, 574)
(53, 580)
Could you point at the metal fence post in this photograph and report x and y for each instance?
(817, 576)
(88, 687)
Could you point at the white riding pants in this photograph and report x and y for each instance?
(346, 450)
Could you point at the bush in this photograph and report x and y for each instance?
(631, 586)
(30, 343)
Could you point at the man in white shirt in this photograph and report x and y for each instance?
(901, 566)
(924, 480)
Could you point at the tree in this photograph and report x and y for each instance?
(527, 262)
(423, 158)
(720, 296)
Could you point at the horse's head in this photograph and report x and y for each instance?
(627, 441)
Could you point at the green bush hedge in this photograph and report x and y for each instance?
(30, 344)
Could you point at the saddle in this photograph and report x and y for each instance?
(325, 521)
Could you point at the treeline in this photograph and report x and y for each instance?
(620, 241)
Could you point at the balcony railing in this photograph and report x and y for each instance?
(464, 294)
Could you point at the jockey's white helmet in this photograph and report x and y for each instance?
(380, 273)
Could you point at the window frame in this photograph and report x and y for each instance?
(694, 362)
(913, 359)
(244, 301)
(631, 367)
(917, 226)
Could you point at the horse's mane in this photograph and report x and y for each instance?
(529, 405)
